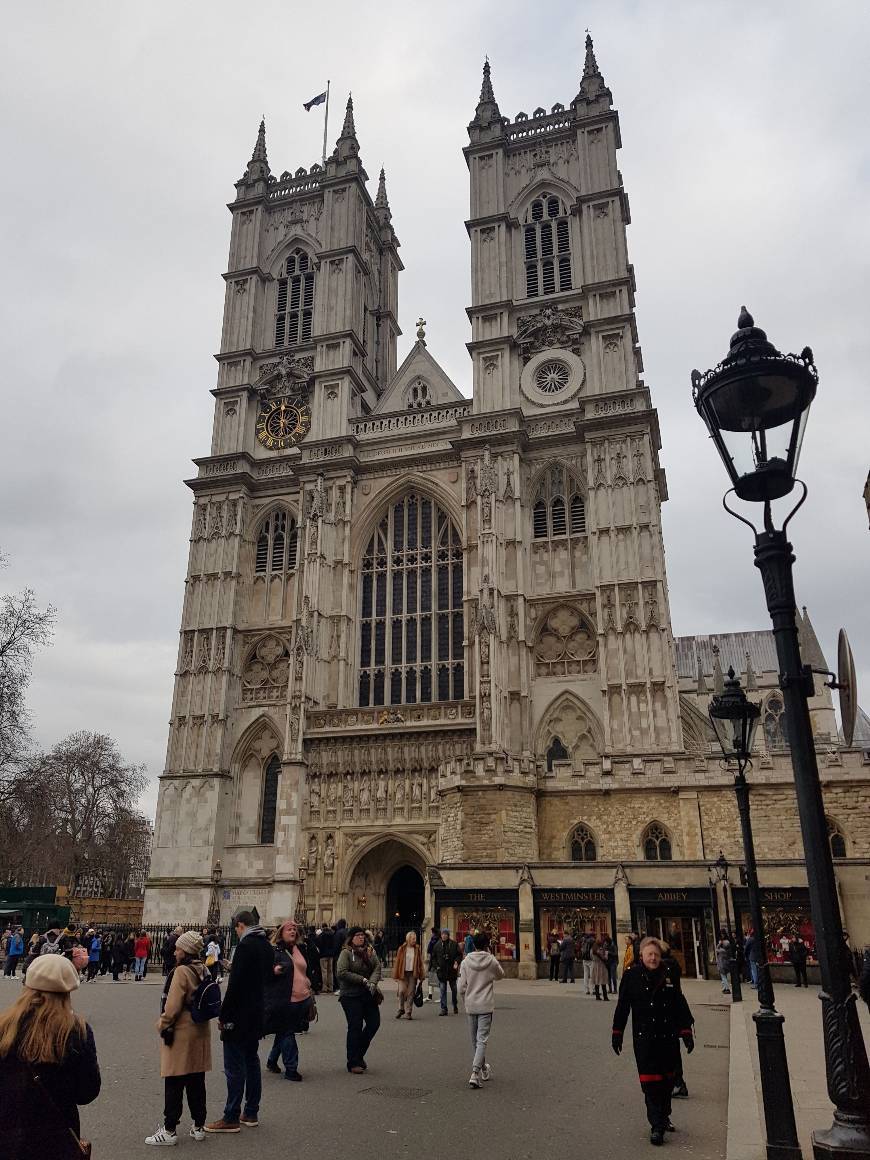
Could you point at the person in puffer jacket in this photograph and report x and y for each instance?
(477, 976)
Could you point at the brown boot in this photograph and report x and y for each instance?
(222, 1126)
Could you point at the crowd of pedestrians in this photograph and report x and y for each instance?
(48, 1059)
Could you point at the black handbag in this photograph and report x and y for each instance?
(418, 994)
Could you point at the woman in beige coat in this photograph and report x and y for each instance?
(407, 970)
(600, 973)
(185, 1054)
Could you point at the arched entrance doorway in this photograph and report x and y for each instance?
(386, 888)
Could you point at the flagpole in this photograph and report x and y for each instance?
(325, 124)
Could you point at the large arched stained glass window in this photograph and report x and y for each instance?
(411, 624)
(269, 807)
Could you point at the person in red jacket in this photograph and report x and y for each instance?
(141, 951)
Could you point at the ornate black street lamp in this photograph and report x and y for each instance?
(720, 868)
(734, 720)
(755, 406)
(214, 903)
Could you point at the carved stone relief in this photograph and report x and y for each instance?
(566, 643)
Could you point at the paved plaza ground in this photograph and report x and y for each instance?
(557, 1090)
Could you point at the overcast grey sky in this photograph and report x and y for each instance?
(123, 129)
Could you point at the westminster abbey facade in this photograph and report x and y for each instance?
(426, 671)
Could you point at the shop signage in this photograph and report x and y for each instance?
(475, 897)
(582, 897)
(776, 895)
(688, 896)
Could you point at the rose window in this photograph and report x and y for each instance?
(552, 377)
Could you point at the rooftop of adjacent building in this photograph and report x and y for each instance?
(735, 649)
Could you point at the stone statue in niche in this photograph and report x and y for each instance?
(314, 793)
(331, 793)
(312, 852)
(348, 791)
(417, 792)
(400, 793)
(433, 790)
(382, 793)
(329, 854)
(365, 794)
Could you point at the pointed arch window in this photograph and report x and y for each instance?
(774, 723)
(583, 845)
(657, 843)
(559, 510)
(547, 246)
(295, 309)
(836, 839)
(411, 618)
(556, 752)
(277, 544)
(269, 807)
(419, 395)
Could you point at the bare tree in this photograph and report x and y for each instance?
(24, 627)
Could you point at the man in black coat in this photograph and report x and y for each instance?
(445, 960)
(660, 1018)
(326, 944)
(241, 1023)
(566, 958)
(338, 939)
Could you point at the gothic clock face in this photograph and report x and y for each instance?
(283, 423)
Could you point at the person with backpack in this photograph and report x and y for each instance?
(554, 949)
(185, 1053)
(289, 998)
(95, 950)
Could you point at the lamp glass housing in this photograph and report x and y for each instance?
(734, 720)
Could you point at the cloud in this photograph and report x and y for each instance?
(745, 159)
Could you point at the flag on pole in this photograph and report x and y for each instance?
(318, 100)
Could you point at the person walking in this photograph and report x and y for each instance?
(185, 1053)
(553, 949)
(241, 1024)
(797, 954)
(358, 972)
(753, 952)
(288, 999)
(48, 1065)
(119, 956)
(325, 944)
(612, 963)
(660, 1018)
(106, 952)
(587, 942)
(167, 950)
(599, 973)
(95, 953)
(566, 958)
(14, 952)
(446, 957)
(723, 962)
(141, 951)
(432, 976)
(407, 971)
(477, 977)
(339, 935)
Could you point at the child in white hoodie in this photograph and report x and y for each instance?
(477, 975)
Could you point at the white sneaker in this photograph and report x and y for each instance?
(486, 1072)
(474, 1080)
(197, 1133)
(162, 1138)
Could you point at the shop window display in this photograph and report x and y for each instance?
(573, 920)
(781, 925)
(500, 922)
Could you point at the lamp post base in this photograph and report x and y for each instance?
(782, 1141)
(838, 1143)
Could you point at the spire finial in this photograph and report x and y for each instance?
(592, 86)
(718, 679)
(382, 205)
(486, 93)
(348, 129)
(258, 166)
(421, 330)
(487, 111)
(751, 683)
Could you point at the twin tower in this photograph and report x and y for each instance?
(420, 624)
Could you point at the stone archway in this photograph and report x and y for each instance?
(390, 872)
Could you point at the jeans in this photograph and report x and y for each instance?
(363, 1020)
(174, 1088)
(726, 985)
(442, 987)
(800, 974)
(566, 969)
(587, 974)
(480, 1027)
(12, 965)
(93, 967)
(326, 973)
(611, 975)
(286, 1046)
(242, 1069)
(753, 972)
(554, 968)
(139, 971)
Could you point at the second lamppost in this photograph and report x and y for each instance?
(720, 868)
(734, 720)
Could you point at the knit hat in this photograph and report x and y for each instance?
(52, 973)
(354, 930)
(190, 942)
(445, 930)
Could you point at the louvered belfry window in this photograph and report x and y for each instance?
(295, 301)
(276, 544)
(559, 509)
(547, 247)
(411, 620)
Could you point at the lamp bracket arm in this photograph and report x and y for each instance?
(802, 680)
